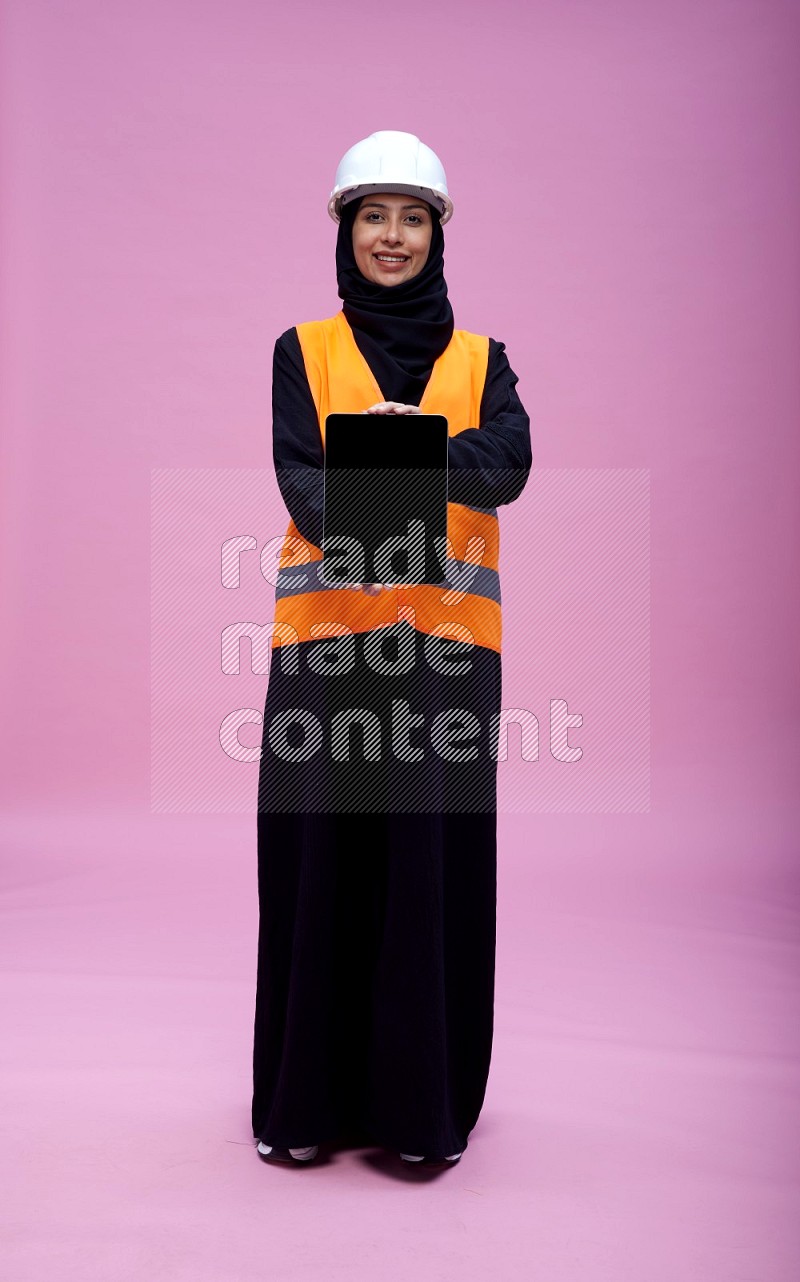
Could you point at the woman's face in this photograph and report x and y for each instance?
(391, 237)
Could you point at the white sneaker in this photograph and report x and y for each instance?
(299, 1154)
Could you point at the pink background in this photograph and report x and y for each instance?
(625, 180)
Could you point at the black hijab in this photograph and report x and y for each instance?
(400, 329)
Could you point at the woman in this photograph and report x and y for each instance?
(377, 871)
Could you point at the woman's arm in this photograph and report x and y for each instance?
(489, 465)
(296, 441)
(297, 449)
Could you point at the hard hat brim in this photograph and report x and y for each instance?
(343, 195)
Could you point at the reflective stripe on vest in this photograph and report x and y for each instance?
(467, 606)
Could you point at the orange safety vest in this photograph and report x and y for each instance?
(341, 381)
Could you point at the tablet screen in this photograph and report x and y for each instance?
(385, 505)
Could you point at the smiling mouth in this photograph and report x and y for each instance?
(392, 258)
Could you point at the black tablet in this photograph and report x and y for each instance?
(385, 499)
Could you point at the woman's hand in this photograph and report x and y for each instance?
(392, 407)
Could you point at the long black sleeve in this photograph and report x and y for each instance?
(487, 465)
(296, 442)
(490, 464)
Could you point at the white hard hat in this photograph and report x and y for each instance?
(395, 162)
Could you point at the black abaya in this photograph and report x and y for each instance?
(376, 952)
